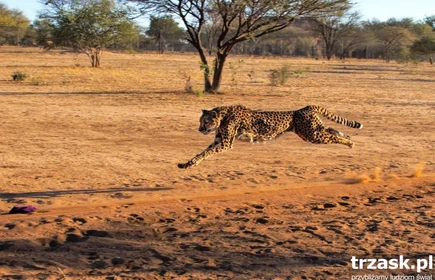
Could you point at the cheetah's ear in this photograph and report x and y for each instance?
(204, 111)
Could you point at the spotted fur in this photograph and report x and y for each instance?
(238, 122)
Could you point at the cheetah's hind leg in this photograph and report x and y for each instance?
(329, 136)
(339, 137)
(337, 133)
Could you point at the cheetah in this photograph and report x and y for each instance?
(241, 123)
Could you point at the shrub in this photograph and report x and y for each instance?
(279, 76)
(19, 76)
(188, 87)
(403, 56)
(235, 67)
(274, 77)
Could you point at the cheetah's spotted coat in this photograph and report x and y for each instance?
(239, 122)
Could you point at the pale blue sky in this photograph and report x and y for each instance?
(370, 9)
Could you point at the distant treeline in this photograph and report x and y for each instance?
(341, 36)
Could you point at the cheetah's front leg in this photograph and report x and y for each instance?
(218, 146)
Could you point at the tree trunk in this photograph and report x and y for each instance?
(207, 73)
(387, 58)
(97, 59)
(161, 42)
(387, 54)
(217, 73)
(329, 48)
(206, 69)
(95, 56)
(92, 58)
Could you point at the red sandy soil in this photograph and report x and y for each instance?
(102, 170)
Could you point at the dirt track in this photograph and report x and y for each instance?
(101, 168)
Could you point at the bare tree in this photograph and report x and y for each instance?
(335, 27)
(350, 41)
(241, 20)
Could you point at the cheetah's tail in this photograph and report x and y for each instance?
(336, 118)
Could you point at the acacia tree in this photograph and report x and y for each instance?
(425, 46)
(391, 38)
(89, 26)
(13, 25)
(240, 20)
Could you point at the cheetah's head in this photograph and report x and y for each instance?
(208, 122)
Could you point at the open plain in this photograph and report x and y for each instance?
(96, 151)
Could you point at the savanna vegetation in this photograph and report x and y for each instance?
(213, 29)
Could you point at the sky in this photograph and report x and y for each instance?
(370, 9)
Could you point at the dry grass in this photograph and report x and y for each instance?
(58, 71)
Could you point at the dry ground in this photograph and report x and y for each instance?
(96, 151)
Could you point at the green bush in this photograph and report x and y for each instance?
(403, 55)
(19, 76)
